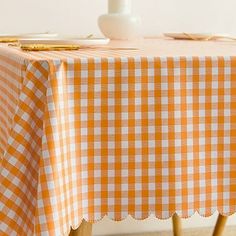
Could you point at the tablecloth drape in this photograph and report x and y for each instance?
(99, 132)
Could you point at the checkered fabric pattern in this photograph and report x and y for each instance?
(86, 136)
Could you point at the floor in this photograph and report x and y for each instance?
(229, 231)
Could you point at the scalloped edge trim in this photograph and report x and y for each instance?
(77, 225)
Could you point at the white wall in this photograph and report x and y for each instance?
(80, 17)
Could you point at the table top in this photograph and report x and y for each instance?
(99, 132)
(158, 47)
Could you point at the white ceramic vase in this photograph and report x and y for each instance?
(119, 23)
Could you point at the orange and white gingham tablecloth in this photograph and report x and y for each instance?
(98, 132)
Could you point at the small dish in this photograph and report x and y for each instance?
(189, 36)
(6, 38)
(83, 42)
(43, 35)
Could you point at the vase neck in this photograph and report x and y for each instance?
(119, 6)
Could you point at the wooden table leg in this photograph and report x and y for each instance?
(220, 225)
(177, 229)
(85, 229)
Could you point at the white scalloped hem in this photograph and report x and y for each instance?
(76, 226)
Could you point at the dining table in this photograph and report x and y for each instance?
(130, 128)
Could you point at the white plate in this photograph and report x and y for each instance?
(49, 35)
(193, 36)
(66, 41)
(18, 36)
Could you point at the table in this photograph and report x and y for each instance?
(108, 131)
